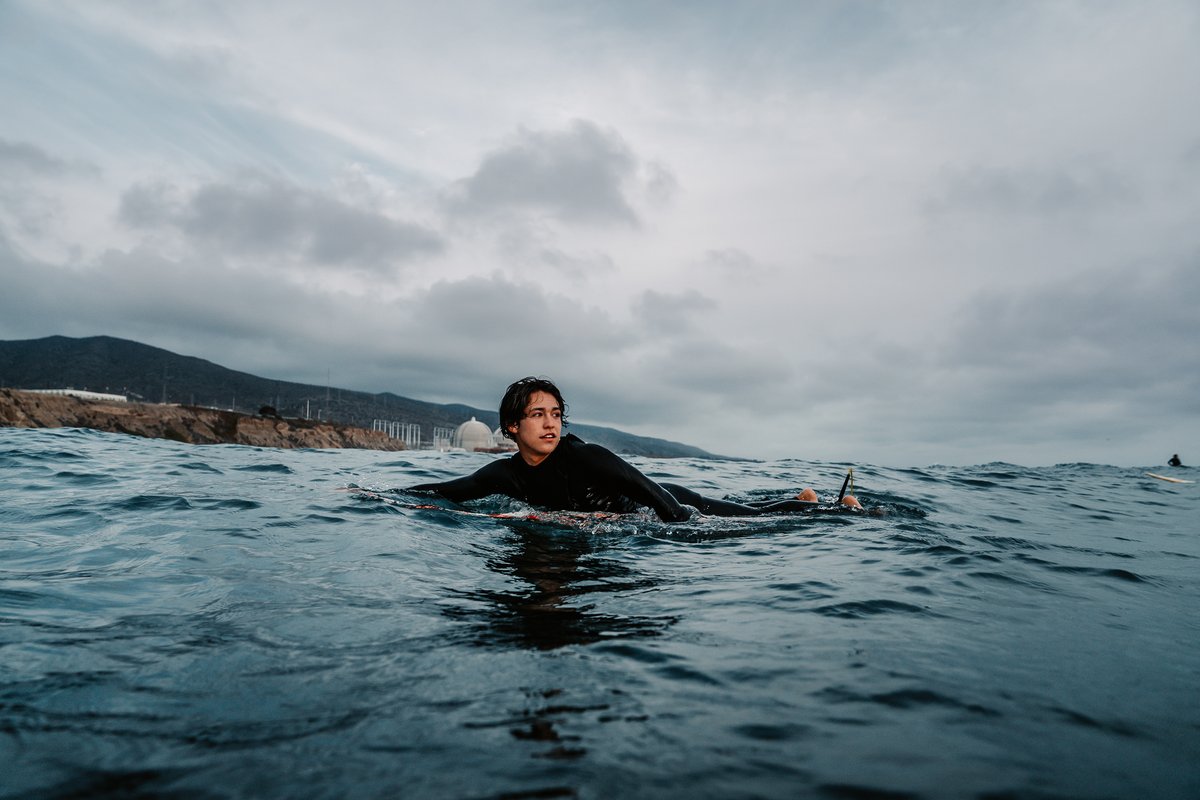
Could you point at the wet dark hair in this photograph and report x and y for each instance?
(512, 405)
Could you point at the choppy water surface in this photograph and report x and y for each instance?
(229, 622)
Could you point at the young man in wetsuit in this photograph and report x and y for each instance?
(564, 473)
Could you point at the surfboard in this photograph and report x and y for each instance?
(545, 517)
(1167, 478)
(564, 518)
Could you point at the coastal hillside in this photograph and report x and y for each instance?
(152, 375)
(182, 423)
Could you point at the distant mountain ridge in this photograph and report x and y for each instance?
(151, 374)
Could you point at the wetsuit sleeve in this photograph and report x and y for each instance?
(490, 479)
(627, 480)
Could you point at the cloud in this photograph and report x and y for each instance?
(455, 340)
(1027, 191)
(38, 190)
(261, 215)
(671, 313)
(576, 267)
(1100, 334)
(21, 159)
(731, 263)
(579, 175)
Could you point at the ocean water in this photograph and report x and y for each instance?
(211, 622)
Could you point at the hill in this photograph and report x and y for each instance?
(146, 373)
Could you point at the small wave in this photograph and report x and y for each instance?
(200, 466)
(248, 735)
(126, 783)
(20, 597)
(910, 698)
(84, 478)
(230, 504)
(1102, 572)
(809, 591)
(1083, 720)
(773, 733)
(861, 609)
(152, 502)
(275, 469)
(853, 791)
(1000, 577)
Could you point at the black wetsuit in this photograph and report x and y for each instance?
(578, 476)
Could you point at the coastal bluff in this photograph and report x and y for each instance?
(190, 424)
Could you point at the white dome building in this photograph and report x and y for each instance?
(502, 442)
(473, 435)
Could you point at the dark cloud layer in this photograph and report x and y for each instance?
(261, 215)
(1128, 332)
(455, 341)
(579, 175)
(1066, 189)
(18, 159)
(674, 313)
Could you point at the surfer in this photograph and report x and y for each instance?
(1174, 461)
(564, 473)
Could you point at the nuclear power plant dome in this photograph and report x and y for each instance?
(473, 434)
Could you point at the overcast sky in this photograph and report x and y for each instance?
(898, 233)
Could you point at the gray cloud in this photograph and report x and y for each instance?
(141, 294)
(705, 364)
(456, 341)
(731, 263)
(671, 313)
(1088, 360)
(661, 183)
(260, 215)
(1067, 189)
(21, 159)
(576, 266)
(31, 179)
(579, 175)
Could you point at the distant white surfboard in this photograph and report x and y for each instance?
(1167, 479)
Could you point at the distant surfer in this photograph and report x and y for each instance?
(564, 473)
(1174, 461)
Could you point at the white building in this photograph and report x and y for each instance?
(81, 394)
(473, 435)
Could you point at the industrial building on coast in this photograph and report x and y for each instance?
(471, 436)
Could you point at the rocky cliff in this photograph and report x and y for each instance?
(181, 423)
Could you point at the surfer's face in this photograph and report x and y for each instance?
(539, 431)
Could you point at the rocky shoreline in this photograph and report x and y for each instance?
(190, 424)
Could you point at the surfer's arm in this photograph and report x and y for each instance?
(634, 485)
(487, 480)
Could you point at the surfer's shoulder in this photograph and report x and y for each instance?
(589, 450)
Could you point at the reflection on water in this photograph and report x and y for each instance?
(547, 607)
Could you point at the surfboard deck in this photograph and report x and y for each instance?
(567, 518)
(548, 517)
(1167, 478)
